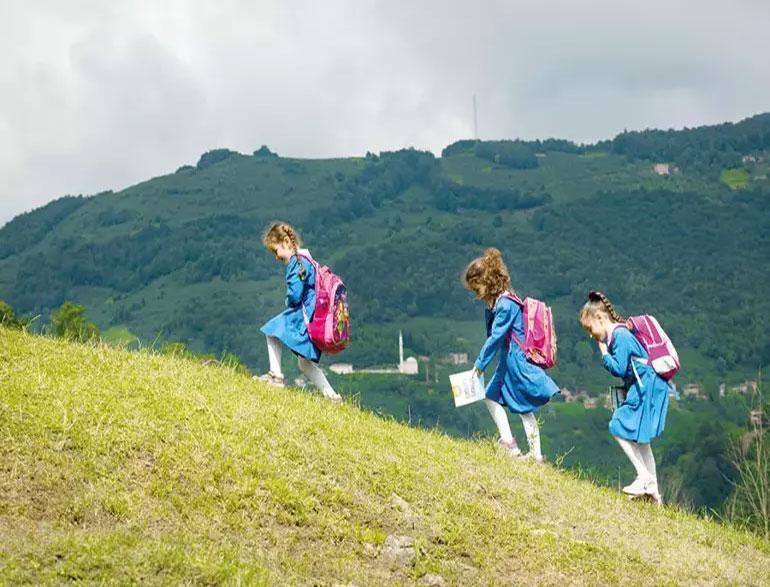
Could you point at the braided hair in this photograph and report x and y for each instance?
(276, 233)
(598, 304)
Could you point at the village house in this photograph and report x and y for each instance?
(457, 358)
(341, 368)
(575, 396)
(692, 390)
(665, 169)
(749, 386)
(607, 402)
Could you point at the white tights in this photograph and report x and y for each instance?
(309, 368)
(641, 458)
(531, 428)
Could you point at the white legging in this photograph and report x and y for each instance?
(309, 368)
(641, 458)
(531, 429)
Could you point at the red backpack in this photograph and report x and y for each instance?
(539, 344)
(329, 329)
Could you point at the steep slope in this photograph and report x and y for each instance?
(130, 467)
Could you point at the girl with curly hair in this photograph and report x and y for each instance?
(517, 384)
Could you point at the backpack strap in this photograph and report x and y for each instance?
(509, 296)
(305, 254)
(632, 359)
(514, 298)
(636, 373)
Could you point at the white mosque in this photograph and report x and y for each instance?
(405, 367)
(410, 366)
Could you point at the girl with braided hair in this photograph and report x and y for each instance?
(289, 328)
(517, 384)
(642, 415)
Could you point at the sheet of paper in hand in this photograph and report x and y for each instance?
(467, 388)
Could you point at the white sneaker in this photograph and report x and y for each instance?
(653, 492)
(640, 486)
(512, 448)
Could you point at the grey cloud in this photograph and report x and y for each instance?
(97, 95)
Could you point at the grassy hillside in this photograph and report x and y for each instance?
(123, 467)
(694, 456)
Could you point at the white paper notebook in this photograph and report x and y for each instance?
(467, 388)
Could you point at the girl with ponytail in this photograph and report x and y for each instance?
(289, 328)
(517, 384)
(642, 415)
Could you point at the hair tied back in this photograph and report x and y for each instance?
(595, 296)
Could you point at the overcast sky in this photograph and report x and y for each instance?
(98, 95)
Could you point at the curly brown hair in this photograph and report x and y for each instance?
(487, 276)
(277, 233)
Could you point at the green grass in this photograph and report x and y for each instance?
(121, 467)
(735, 178)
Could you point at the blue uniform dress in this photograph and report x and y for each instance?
(517, 383)
(289, 326)
(642, 416)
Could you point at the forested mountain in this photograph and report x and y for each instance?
(179, 257)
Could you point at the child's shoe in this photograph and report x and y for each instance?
(640, 486)
(530, 457)
(654, 493)
(272, 379)
(512, 448)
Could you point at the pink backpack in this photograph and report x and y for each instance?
(329, 329)
(662, 354)
(539, 343)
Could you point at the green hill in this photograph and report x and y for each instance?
(122, 467)
(179, 257)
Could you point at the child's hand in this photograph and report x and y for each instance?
(603, 347)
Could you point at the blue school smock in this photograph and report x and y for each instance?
(517, 384)
(642, 416)
(289, 326)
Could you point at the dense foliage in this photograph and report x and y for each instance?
(69, 322)
(704, 149)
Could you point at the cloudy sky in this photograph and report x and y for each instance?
(99, 95)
